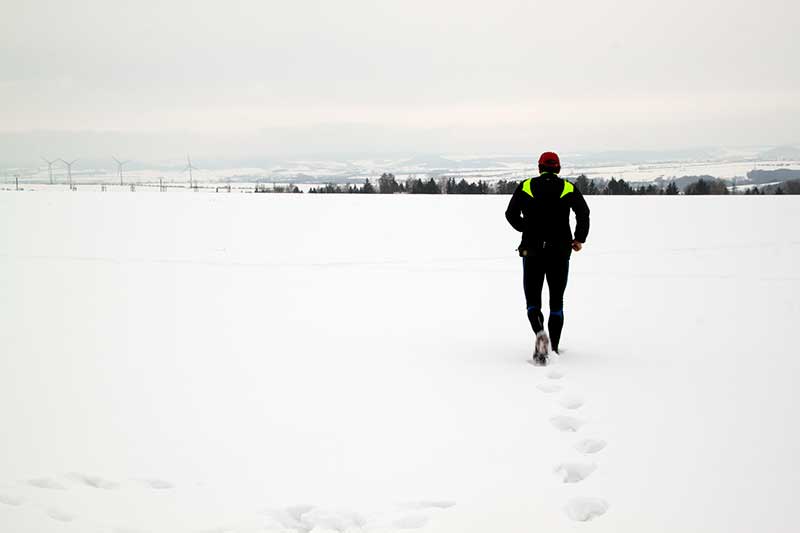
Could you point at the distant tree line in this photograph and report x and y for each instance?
(262, 188)
(330, 188)
(388, 184)
(615, 187)
(787, 187)
(705, 185)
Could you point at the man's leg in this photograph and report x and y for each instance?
(532, 281)
(557, 274)
(554, 325)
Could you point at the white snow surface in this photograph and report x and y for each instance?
(298, 363)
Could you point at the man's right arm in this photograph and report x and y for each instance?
(514, 210)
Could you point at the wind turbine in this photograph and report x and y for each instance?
(119, 167)
(50, 167)
(189, 167)
(69, 170)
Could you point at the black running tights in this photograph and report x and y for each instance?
(555, 268)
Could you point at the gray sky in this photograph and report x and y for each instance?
(242, 77)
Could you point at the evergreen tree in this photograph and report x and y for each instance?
(699, 187)
(387, 184)
(672, 189)
(618, 187)
(710, 186)
(430, 187)
(583, 184)
(792, 187)
(413, 185)
(505, 187)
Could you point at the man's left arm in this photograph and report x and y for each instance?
(581, 217)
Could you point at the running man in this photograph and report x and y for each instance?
(539, 208)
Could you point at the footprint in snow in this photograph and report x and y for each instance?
(571, 401)
(5, 499)
(566, 423)
(418, 519)
(549, 387)
(412, 521)
(583, 509)
(589, 446)
(556, 374)
(93, 481)
(61, 516)
(306, 518)
(574, 472)
(296, 513)
(327, 519)
(46, 483)
(428, 504)
(158, 484)
(291, 518)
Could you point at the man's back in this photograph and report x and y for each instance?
(544, 203)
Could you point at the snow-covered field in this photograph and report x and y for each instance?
(241, 363)
(673, 170)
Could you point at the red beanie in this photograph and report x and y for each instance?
(549, 162)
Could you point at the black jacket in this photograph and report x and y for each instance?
(544, 204)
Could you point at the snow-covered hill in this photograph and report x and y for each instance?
(241, 363)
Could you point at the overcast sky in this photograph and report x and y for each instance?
(240, 77)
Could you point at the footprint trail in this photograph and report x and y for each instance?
(579, 509)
